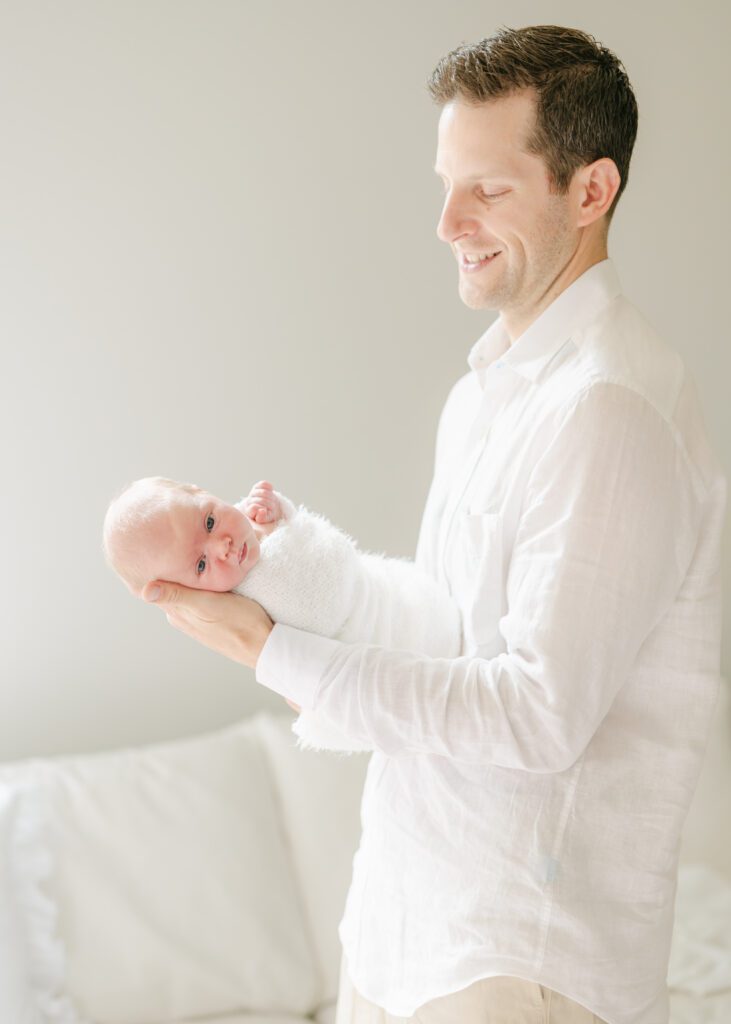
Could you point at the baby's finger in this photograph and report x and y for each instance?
(263, 493)
(259, 515)
(268, 506)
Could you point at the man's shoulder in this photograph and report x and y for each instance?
(622, 347)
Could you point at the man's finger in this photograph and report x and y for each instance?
(156, 592)
(162, 592)
(187, 604)
(228, 623)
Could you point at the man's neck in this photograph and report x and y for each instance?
(516, 322)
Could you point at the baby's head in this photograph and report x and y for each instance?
(159, 529)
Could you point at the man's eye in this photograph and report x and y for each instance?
(201, 567)
(495, 195)
(210, 522)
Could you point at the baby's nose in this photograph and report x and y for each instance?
(223, 547)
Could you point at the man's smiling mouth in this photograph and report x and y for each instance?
(470, 262)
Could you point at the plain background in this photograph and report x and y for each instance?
(218, 263)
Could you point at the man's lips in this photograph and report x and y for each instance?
(472, 265)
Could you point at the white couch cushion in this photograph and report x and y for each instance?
(171, 879)
(31, 962)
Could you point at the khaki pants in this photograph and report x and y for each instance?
(487, 1001)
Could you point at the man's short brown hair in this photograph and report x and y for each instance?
(585, 106)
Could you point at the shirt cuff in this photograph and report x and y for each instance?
(292, 662)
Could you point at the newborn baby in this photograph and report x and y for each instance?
(304, 571)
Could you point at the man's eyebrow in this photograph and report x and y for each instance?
(493, 172)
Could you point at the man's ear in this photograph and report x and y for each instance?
(599, 182)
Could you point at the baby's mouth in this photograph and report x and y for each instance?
(244, 550)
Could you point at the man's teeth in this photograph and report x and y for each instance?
(480, 257)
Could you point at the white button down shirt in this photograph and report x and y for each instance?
(523, 805)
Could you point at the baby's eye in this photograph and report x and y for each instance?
(201, 567)
(210, 522)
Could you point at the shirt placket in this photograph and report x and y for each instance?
(495, 396)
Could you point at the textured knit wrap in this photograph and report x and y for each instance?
(311, 575)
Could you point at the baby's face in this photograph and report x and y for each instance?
(204, 543)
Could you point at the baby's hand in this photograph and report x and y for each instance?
(262, 506)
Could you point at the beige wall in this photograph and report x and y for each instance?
(219, 263)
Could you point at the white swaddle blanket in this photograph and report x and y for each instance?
(312, 576)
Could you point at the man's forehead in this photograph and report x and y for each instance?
(486, 139)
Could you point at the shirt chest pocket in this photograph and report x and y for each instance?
(476, 577)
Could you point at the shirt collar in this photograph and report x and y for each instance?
(537, 345)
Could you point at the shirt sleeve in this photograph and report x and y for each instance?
(607, 530)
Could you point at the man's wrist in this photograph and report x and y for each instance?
(293, 663)
(257, 643)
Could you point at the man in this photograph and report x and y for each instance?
(523, 806)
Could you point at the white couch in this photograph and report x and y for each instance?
(195, 881)
(202, 882)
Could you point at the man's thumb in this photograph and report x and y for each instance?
(154, 591)
(163, 592)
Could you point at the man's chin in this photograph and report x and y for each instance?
(474, 299)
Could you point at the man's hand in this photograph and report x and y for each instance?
(230, 624)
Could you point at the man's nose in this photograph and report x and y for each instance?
(456, 220)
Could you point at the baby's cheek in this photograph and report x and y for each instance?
(218, 586)
(251, 561)
(241, 574)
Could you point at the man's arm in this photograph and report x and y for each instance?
(608, 527)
